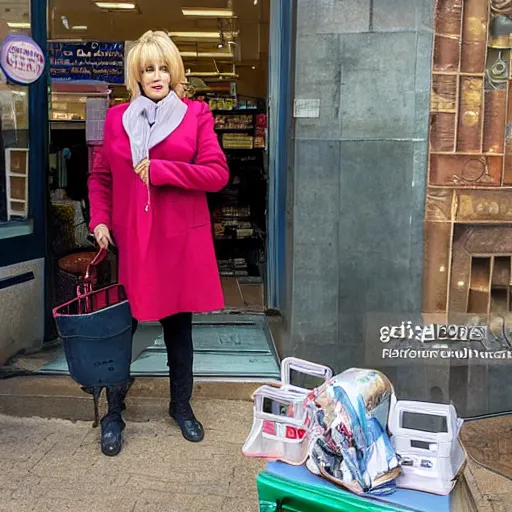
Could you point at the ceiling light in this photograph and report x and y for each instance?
(12, 24)
(79, 27)
(115, 5)
(209, 55)
(207, 13)
(199, 35)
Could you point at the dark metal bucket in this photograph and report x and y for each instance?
(96, 330)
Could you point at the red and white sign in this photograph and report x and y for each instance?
(21, 59)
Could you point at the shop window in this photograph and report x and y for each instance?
(14, 126)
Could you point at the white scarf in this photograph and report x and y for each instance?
(148, 123)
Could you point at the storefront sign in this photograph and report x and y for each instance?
(89, 60)
(21, 59)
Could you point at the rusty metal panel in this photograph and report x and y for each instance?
(466, 170)
(444, 93)
(439, 204)
(484, 206)
(437, 264)
(480, 285)
(448, 16)
(474, 35)
(469, 135)
(442, 132)
(501, 272)
(446, 53)
(494, 120)
(460, 271)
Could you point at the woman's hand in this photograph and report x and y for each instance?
(142, 170)
(102, 235)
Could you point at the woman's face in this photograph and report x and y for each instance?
(156, 81)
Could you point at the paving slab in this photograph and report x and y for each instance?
(489, 491)
(56, 465)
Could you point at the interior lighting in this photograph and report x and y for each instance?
(195, 35)
(116, 5)
(207, 55)
(13, 24)
(207, 13)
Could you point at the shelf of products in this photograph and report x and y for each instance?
(234, 122)
(238, 211)
(241, 129)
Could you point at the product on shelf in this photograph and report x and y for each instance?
(259, 139)
(237, 141)
(235, 267)
(231, 211)
(233, 122)
(233, 228)
(261, 120)
(247, 104)
(222, 104)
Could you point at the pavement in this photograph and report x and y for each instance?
(490, 491)
(54, 465)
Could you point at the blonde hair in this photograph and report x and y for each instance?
(155, 48)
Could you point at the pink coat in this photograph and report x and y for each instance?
(167, 260)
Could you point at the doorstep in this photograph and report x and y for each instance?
(47, 396)
(32, 391)
(226, 346)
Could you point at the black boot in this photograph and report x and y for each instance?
(180, 352)
(112, 424)
(181, 412)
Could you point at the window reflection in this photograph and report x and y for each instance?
(14, 19)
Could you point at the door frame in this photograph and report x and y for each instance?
(31, 244)
(279, 126)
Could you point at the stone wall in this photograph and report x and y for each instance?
(359, 175)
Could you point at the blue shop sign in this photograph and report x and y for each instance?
(87, 60)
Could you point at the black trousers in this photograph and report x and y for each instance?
(180, 355)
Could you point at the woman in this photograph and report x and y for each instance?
(147, 188)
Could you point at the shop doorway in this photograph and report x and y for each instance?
(225, 48)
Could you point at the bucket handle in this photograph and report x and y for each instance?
(89, 279)
(100, 256)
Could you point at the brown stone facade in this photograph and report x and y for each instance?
(468, 213)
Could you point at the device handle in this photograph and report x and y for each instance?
(304, 367)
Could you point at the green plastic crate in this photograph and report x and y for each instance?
(285, 488)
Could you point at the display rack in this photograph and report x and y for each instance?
(16, 181)
(238, 212)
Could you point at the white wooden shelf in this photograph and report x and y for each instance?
(16, 160)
